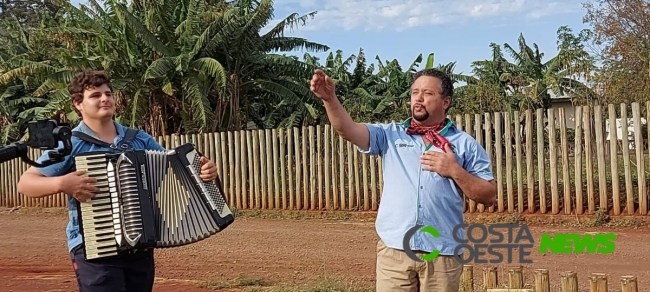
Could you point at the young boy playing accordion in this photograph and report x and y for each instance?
(92, 98)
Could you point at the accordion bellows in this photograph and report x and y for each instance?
(148, 199)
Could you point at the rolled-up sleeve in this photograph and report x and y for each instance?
(477, 162)
(377, 139)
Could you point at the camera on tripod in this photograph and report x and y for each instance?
(43, 134)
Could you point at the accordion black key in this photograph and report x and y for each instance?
(148, 199)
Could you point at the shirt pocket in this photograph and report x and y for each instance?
(408, 154)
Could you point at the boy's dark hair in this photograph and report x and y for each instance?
(84, 80)
(447, 83)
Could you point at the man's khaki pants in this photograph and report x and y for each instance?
(397, 272)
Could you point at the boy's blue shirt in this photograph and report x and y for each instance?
(141, 141)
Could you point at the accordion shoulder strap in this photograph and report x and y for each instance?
(128, 138)
(90, 139)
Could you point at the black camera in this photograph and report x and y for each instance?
(43, 134)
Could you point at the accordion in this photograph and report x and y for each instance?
(148, 199)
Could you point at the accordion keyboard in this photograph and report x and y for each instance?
(210, 191)
(99, 221)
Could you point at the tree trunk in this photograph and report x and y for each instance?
(235, 121)
(157, 125)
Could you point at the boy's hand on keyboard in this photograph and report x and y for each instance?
(208, 169)
(78, 185)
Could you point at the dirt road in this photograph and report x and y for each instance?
(33, 255)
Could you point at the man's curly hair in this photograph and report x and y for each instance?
(85, 80)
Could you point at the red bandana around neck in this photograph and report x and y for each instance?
(432, 133)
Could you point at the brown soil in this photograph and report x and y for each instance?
(33, 254)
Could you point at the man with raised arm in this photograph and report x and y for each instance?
(428, 162)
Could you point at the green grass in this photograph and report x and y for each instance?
(599, 219)
(243, 282)
(321, 284)
(297, 214)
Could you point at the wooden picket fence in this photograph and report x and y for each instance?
(540, 168)
(541, 281)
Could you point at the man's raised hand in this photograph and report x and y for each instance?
(322, 86)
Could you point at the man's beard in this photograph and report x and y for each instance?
(421, 117)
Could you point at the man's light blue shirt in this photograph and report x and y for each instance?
(412, 196)
(141, 141)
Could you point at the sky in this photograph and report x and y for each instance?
(455, 30)
(458, 30)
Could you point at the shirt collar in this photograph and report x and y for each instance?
(82, 127)
(407, 123)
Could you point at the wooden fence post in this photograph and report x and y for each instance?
(598, 282)
(516, 278)
(490, 279)
(542, 281)
(628, 284)
(467, 279)
(569, 282)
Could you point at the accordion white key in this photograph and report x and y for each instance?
(148, 199)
